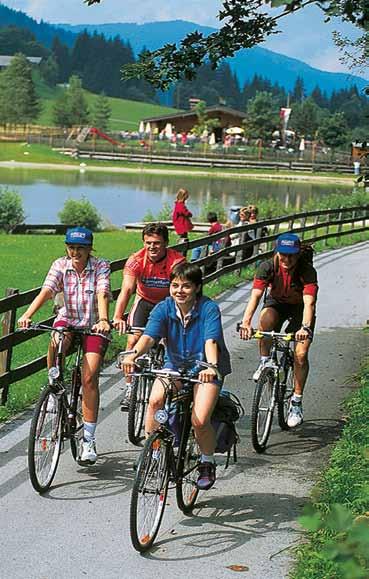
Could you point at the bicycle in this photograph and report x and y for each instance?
(273, 388)
(141, 388)
(58, 412)
(160, 464)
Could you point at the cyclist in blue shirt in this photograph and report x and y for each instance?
(191, 325)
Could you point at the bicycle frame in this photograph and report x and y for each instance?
(185, 397)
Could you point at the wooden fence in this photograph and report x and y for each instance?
(312, 226)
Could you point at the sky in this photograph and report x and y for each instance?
(304, 34)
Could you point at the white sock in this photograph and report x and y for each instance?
(297, 397)
(207, 458)
(89, 431)
(264, 358)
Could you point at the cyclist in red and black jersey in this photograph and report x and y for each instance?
(292, 287)
(147, 274)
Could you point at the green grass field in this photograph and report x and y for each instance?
(126, 115)
(337, 521)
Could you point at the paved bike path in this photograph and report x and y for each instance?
(81, 527)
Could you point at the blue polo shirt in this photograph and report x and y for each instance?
(187, 344)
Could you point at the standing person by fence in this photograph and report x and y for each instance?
(85, 282)
(181, 215)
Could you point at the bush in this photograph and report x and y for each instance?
(165, 214)
(11, 209)
(213, 205)
(80, 212)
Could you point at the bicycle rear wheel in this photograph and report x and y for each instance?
(284, 397)
(45, 440)
(137, 405)
(149, 493)
(186, 485)
(262, 409)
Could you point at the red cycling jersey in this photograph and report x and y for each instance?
(287, 287)
(152, 278)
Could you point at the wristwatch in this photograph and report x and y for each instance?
(307, 328)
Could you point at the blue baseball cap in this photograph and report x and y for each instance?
(288, 243)
(79, 236)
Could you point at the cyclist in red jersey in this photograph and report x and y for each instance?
(293, 288)
(146, 273)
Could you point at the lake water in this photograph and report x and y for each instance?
(124, 198)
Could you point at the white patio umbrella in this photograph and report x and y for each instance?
(148, 128)
(168, 131)
(141, 128)
(234, 131)
(212, 140)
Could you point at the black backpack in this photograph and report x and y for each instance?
(227, 412)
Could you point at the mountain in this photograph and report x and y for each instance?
(261, 61)
(248, 62)
(43, 31)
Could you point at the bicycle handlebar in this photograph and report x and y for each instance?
(259, 334)
(175, 373)
(61, 330)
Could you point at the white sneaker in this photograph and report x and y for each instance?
(295, 414)
(259, 369)
(87, 452)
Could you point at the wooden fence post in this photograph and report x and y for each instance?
(8, 326)
(339, 228)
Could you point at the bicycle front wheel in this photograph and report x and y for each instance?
(45, 440)
(262, 409)
(284, 397)
(137, 405)
(186, 485)
(149, 493)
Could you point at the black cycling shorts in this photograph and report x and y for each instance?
(291, 312)
(139, 314)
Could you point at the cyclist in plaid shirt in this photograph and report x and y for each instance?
(84, 281)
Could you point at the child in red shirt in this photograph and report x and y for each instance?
(181, 215)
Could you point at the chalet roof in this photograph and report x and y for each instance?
(6, 60)
(192, 113)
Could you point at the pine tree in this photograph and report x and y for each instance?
(101, 113)
(61, 112)
(78, 108)
(71, 106)
(17, 92)
(63, 60)
(298, 93)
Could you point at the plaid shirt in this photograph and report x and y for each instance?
(79, 290)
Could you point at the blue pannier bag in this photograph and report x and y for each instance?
(227, 412)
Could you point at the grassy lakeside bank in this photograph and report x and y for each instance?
(38, 251)
(37, 156)
(337, 521)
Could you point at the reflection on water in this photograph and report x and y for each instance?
(123, 198)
